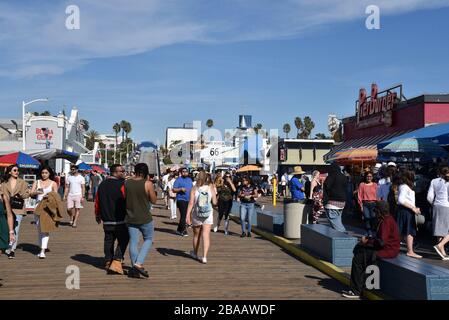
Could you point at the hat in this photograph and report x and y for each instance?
(391, 164)
(298, 170)
(378, 165)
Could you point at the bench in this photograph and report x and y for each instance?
(270, 221)
(408, 278)
(333, 246)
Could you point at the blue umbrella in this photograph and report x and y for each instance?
(84, 167)
(412, 150)
(22, 160)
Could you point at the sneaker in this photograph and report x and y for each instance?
(226, 232)
(193, 255)
(11, 255)
(243, 235)
(41, 255)
(142, 271)
(249, 235)
(350, 295)
(179, 233)
(185, 234)
(132, 273)
(215, 229)
(204, 260)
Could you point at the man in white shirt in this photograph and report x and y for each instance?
(165, 188)
(74, 194)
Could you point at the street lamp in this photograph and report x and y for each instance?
(24, 104)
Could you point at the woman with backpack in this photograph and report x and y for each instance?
(200, 214)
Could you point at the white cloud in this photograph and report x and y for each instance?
(34, 40)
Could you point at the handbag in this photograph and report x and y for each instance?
(17, 202)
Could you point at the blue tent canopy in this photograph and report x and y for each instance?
(438, 133)
(84, 167)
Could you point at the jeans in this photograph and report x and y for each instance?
(334, 217)
(94, 192)
(182, 206)
(370, 217)
(112, 233)
(147, 230)
(17, 222)
(246, 212)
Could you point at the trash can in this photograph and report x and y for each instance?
(295, 214)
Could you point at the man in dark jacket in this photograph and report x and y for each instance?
(110, 207)
(334, 196)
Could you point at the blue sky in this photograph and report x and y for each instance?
(163, 63)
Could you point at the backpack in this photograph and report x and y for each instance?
(203, 205)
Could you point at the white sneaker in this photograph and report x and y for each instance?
(226, 232)
(41, 255)
(204, 260)
(215, 229)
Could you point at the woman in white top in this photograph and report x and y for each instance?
(171, 196)
(438, 198)
(41, 188)
(200, 213)
(407, 211)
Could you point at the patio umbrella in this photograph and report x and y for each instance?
(353, 156)
(249, 168)
(84, 167)
(22, 160)
(412, 150)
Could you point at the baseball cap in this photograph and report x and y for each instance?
(391, 164)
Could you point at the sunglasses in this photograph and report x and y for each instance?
(15, 170)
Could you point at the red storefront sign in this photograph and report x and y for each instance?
(44, 134)
(377, 108)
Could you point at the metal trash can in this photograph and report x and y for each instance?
(295, 214)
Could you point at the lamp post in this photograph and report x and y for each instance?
(24, 104)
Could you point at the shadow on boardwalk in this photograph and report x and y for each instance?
(173, 252)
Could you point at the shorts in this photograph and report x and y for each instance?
(74, 202)
(197, 221)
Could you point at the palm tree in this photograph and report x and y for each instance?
(209, 123)
(321, 136)
(85, 124)
(308, 127)
(299, 126)
(128, 128)
(116, 127)
(92, 137)
(286, 128)
(258, 127)
(123, 126)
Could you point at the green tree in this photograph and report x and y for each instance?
(127, 129)
(308, 127)
(123, 125)
(92, 137)
(46, 113)
(286, 128)
(299, 126)
(85, 124)
(116, 127)
(209, 123)
(35, 113)
(321, 136)
(258, 127)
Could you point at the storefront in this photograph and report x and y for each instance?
(386, 114)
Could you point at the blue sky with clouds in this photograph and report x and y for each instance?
(162, 63)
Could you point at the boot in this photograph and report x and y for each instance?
(116, 267)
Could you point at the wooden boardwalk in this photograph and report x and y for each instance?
(250, 268)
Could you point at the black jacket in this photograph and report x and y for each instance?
(334, 187)
(110, 203)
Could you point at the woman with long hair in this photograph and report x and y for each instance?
(367, 197)
(407, 211)
(200, 213)
(15, 191)
(247, 196)
(225, 189)
(140, 194)
(316, 195)
(40, 189)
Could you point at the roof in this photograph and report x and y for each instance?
(309, 140)
(439, 133)
(366, 142)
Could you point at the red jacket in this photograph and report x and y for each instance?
(388, 239)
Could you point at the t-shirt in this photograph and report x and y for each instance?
(295, 189)
(247, 192)
(224, 192)
(74, 184)
(183, 183)
(96, 180)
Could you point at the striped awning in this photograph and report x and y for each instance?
(365, 143)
